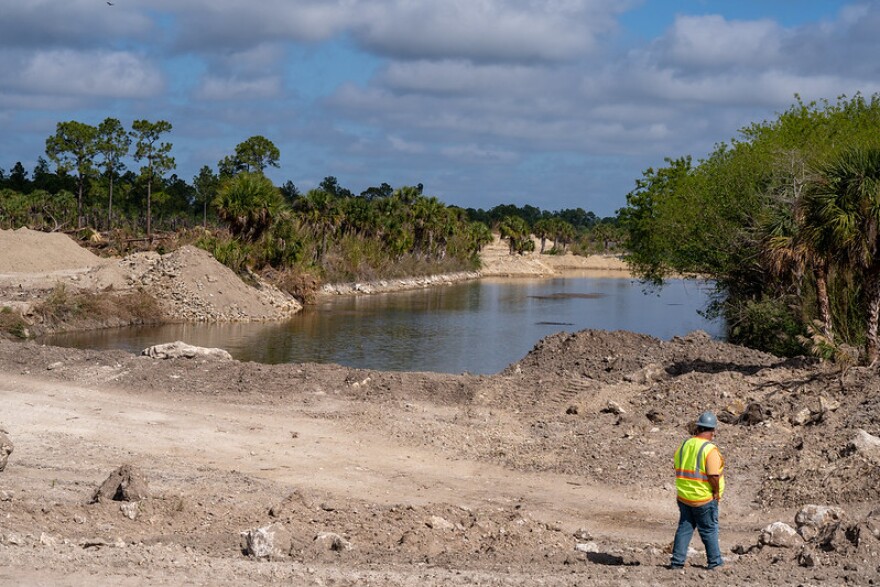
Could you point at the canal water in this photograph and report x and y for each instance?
(475, 327)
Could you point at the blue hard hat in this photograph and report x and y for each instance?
(707, 420)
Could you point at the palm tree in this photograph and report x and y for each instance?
(845, 203)
(248, 202)
(542, 229)
(320, 211)
(799, 243)
(516, 231)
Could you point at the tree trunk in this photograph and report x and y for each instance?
(871, 343)
(824, 302)
(150, 204)
(110, 207)
(79, 203)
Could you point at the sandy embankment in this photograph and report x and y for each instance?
(497, 262)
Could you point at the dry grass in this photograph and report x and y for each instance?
(64, 308)
(12, 323)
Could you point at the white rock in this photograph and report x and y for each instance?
(866, 445)
(179, 349)
(781, 535)
(438, 523)
(259, 543)
(6, 448)
(818, 515)
(130, 509)
(589, 547)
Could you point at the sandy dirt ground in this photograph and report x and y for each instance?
(556, 471)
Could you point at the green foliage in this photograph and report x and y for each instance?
(783, 212)
(517, 233)
(148, 146)
(248, 203)
(227, 250)
(768, 324)
(73, 148)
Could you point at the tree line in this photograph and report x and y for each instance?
(109, 178)
(785, 218)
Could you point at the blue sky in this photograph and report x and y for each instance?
(554, 103)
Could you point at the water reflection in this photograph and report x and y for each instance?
(476, 327)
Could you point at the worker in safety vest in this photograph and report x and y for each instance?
(699, 482)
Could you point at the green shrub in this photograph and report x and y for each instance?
(768, 324)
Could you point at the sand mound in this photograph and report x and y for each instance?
(31, 251)
(496, 260)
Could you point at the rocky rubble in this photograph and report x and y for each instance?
(192, 286)
(403, 284)
(823, 536)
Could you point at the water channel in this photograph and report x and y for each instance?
(475, 327)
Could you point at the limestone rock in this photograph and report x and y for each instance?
(780, 534)
(179, 349)
(811, 519)
(866, 445)
(438, 523)
(872, 523)
(259, 543)
(588, 547)
(583, 534)
(802, 417)
(127, 483)
(838, 538)
(6, 448)
(130, 509)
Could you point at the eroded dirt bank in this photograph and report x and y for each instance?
(555, 472)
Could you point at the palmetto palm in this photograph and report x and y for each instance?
(320, 211)
(801, 242)
(249, 202)
(845, 208)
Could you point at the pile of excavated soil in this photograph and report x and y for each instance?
(191, 285)
(31, 251)
(556, 471)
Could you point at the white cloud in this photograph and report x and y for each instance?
(219, 88)
(461, 77)
(101, 74)
(484, 30)
(713, 41)
(403, 146)
(479, 30)
(471, 152)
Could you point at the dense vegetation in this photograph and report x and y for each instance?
(785, 219)
(327, 233)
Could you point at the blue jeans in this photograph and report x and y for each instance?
(705, 519)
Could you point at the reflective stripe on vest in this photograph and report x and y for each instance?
(691, 480)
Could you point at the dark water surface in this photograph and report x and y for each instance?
(476, 327)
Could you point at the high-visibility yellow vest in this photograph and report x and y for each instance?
(691, 480)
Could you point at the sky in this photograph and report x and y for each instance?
(554, 103)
